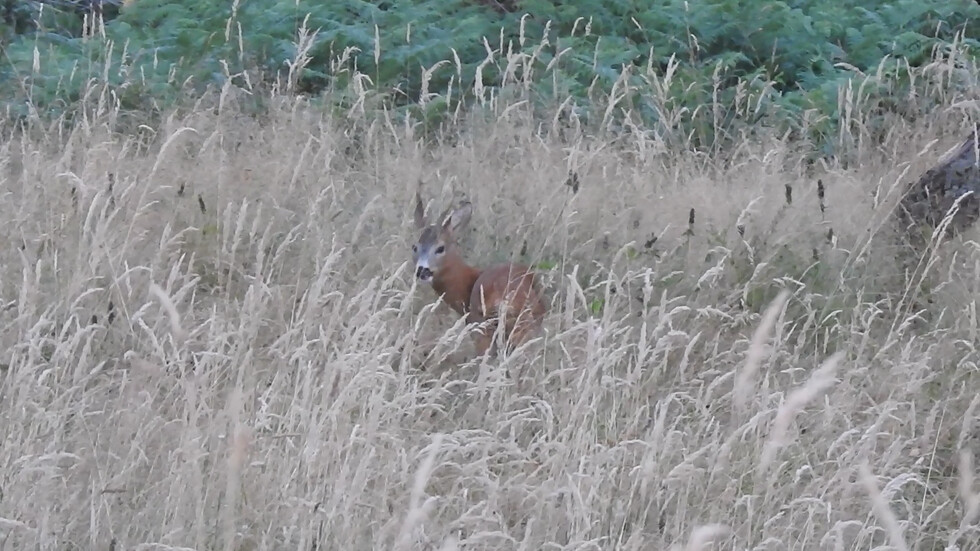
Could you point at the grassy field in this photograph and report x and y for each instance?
(210, 338)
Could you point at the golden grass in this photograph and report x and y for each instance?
(225, 348)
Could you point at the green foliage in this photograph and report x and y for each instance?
(693, 67)
(62, 17)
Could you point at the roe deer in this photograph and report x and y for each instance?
(505, 292)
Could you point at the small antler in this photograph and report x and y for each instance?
(419, 208)
(444, 218)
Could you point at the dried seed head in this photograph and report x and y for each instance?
(820, 196)
(572, 181)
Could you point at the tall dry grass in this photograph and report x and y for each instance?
(210, 338)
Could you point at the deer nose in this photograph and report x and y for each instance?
(423, 273)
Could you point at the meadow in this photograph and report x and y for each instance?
(210, 337)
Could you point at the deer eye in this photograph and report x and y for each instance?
(415, 248)
(440, 249)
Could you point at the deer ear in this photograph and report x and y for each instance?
(419, 211)
(459, 217)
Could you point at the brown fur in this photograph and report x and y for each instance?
(455, 281)
(511, 286)
(503, 291)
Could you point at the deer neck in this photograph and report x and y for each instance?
(455, 281)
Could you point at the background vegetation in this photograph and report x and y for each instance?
(782, 62)
(210, 336)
